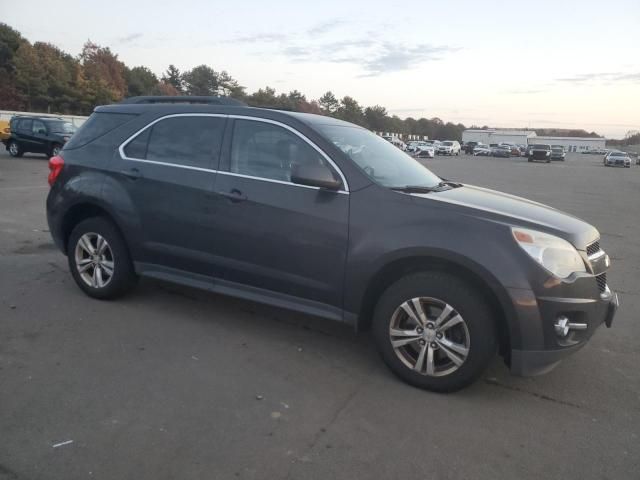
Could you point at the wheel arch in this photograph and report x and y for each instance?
(81, 211)
(476, 275)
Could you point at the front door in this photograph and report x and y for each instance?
(169, 170)
(38, 139)
(274, 234)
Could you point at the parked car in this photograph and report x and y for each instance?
(412, 146)
(448, 147)
(540, 152)
(501, 151)
(469, 147)
(596, 151)
(32, 134)
(557, 153)
(5, 130)
(515, 151)
(482, 150)
(617, 159)
(321, 216)
(395, 141)
(420, 149)
(425, 151)
(523, 150)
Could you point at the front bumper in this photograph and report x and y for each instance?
(592, 312)
(618, 164)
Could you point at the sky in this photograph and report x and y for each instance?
(554, 64)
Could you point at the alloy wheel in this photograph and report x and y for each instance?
(94, 260)
(429, 336)
(13, 149)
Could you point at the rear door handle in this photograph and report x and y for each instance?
(132, 173)
(234, 195)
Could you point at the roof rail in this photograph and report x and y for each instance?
(185, 99)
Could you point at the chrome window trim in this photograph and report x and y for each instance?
(296, 132)
(123, 156)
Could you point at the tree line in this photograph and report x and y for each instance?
(40, 77)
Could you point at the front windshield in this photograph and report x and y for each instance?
(382, 162)
(542, 147)
(448, 144)
(62, 127)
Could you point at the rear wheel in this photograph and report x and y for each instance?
(434, 331)
(99, 259)
(55, 150)
(14, 149)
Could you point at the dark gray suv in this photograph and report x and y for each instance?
(318, 215)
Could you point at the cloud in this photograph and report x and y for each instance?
(259, 37)
(601, 77)
(394, 58)
(531, 91)
(129, 38)
(373, 57)
(325, 27)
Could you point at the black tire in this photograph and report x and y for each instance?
(466, 301)
(123, 278)
(14, 149)
(54, 150)
(529, 160)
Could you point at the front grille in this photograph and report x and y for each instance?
(593, 248)
(602, 282)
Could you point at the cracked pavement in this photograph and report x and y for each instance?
(172, 382)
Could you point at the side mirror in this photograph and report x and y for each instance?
(314, 176)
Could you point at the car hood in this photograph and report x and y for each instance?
(517, 211)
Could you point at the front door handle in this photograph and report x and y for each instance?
(132, 173)
(234, 195)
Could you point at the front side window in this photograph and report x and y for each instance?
(60, 126)
(380, 160)
(185, 140)
(264, 150)
(39, 128)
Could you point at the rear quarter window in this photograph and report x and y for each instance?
(96, 126)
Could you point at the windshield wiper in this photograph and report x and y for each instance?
(417, 189)
(449, 183)
(440, 187)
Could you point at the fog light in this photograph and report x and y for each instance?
(563, 326)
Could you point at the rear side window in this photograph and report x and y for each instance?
(191, 141)
(97, 125)
(23, 125)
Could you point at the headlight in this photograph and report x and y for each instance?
(555, 255)
(548, 153)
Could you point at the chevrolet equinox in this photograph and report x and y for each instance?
(317, 215)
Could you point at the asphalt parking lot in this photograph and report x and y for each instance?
(181, 384)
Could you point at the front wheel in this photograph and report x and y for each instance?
(99, 259)
(434, 331)
(14, 149)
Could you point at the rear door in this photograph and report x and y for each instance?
(38, 138)
(169, 170)
(271, 233)
(22, 133)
